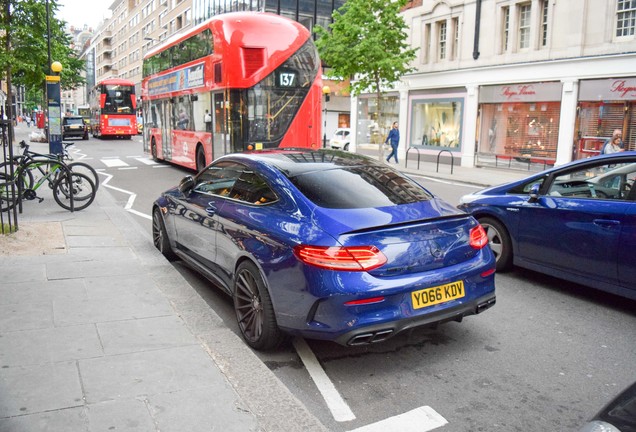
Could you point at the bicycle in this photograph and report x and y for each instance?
(79, 167)
(68, 187)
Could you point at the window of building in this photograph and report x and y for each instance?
(505, 11)
(524, 26)
(520, 130)
(441, 27)
(426, 38)
(436, 123)
(625, 18)
(544, 23)
(455, 47)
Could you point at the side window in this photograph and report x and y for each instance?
(218, 179)
(252, 188)
(605, 181)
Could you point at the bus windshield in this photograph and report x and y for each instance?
(118, 100)
(273, 103)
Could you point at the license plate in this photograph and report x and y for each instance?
(438, 294)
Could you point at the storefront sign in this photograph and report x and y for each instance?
(529, 92)
(615, 89)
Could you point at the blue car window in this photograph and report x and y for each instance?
(599, 181)
(252, 188)
(218, 179)
(359, 187)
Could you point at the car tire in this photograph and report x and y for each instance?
(254, 309)
(499, 242)
(160, 236)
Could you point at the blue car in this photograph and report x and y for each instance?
(326, 245)
(575, 222)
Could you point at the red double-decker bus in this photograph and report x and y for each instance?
(238, 81)
(113, 106)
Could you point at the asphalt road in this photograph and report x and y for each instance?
(546, 357)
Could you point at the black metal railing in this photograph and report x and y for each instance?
(8, 187)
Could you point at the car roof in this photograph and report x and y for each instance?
(295, 162)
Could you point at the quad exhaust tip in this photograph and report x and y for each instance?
(369, 338)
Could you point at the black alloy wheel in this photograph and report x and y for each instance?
(160, 236)
(254, 310)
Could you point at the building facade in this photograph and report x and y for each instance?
(512, 83)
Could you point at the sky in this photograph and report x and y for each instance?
(80, 12)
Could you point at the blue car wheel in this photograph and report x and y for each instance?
(254, 310)
(499, 241)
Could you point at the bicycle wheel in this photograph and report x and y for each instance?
(83, 191)
(9, 195)
(86, 169)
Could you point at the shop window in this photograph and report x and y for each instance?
(520, 130)
(373, 124)
(436, 123)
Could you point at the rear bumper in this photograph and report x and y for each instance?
(382, 332)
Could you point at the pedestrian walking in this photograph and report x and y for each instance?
(393, 138)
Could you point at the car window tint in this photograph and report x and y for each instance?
(600, 181)
(218, 179)
(253, 189)
(359, 187)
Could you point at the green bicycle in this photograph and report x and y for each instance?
(71, 190)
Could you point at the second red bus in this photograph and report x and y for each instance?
(113, 106)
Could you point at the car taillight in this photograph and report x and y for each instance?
(354, 258)
(478, 237)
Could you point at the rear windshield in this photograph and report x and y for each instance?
(74, 121)
(359, 187)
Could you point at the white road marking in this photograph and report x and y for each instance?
(112, 163)
(146, 161)
(338, 407)
(131, 198)
(161, 166)
(420, 419)
(128, 168)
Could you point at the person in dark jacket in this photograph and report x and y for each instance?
(393, 138)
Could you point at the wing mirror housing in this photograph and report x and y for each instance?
(186, 184)
(534, 192)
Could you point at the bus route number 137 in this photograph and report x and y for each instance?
(287, 78)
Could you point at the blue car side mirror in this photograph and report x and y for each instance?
(186, 184)
(534, 192)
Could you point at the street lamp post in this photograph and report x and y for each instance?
(325, 91)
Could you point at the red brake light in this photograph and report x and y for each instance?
(354, 258)
(478, 237)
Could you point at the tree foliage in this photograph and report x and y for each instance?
(367, 40)
(28, 53)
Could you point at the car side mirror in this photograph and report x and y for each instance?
(534, 192)
(186, 184)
